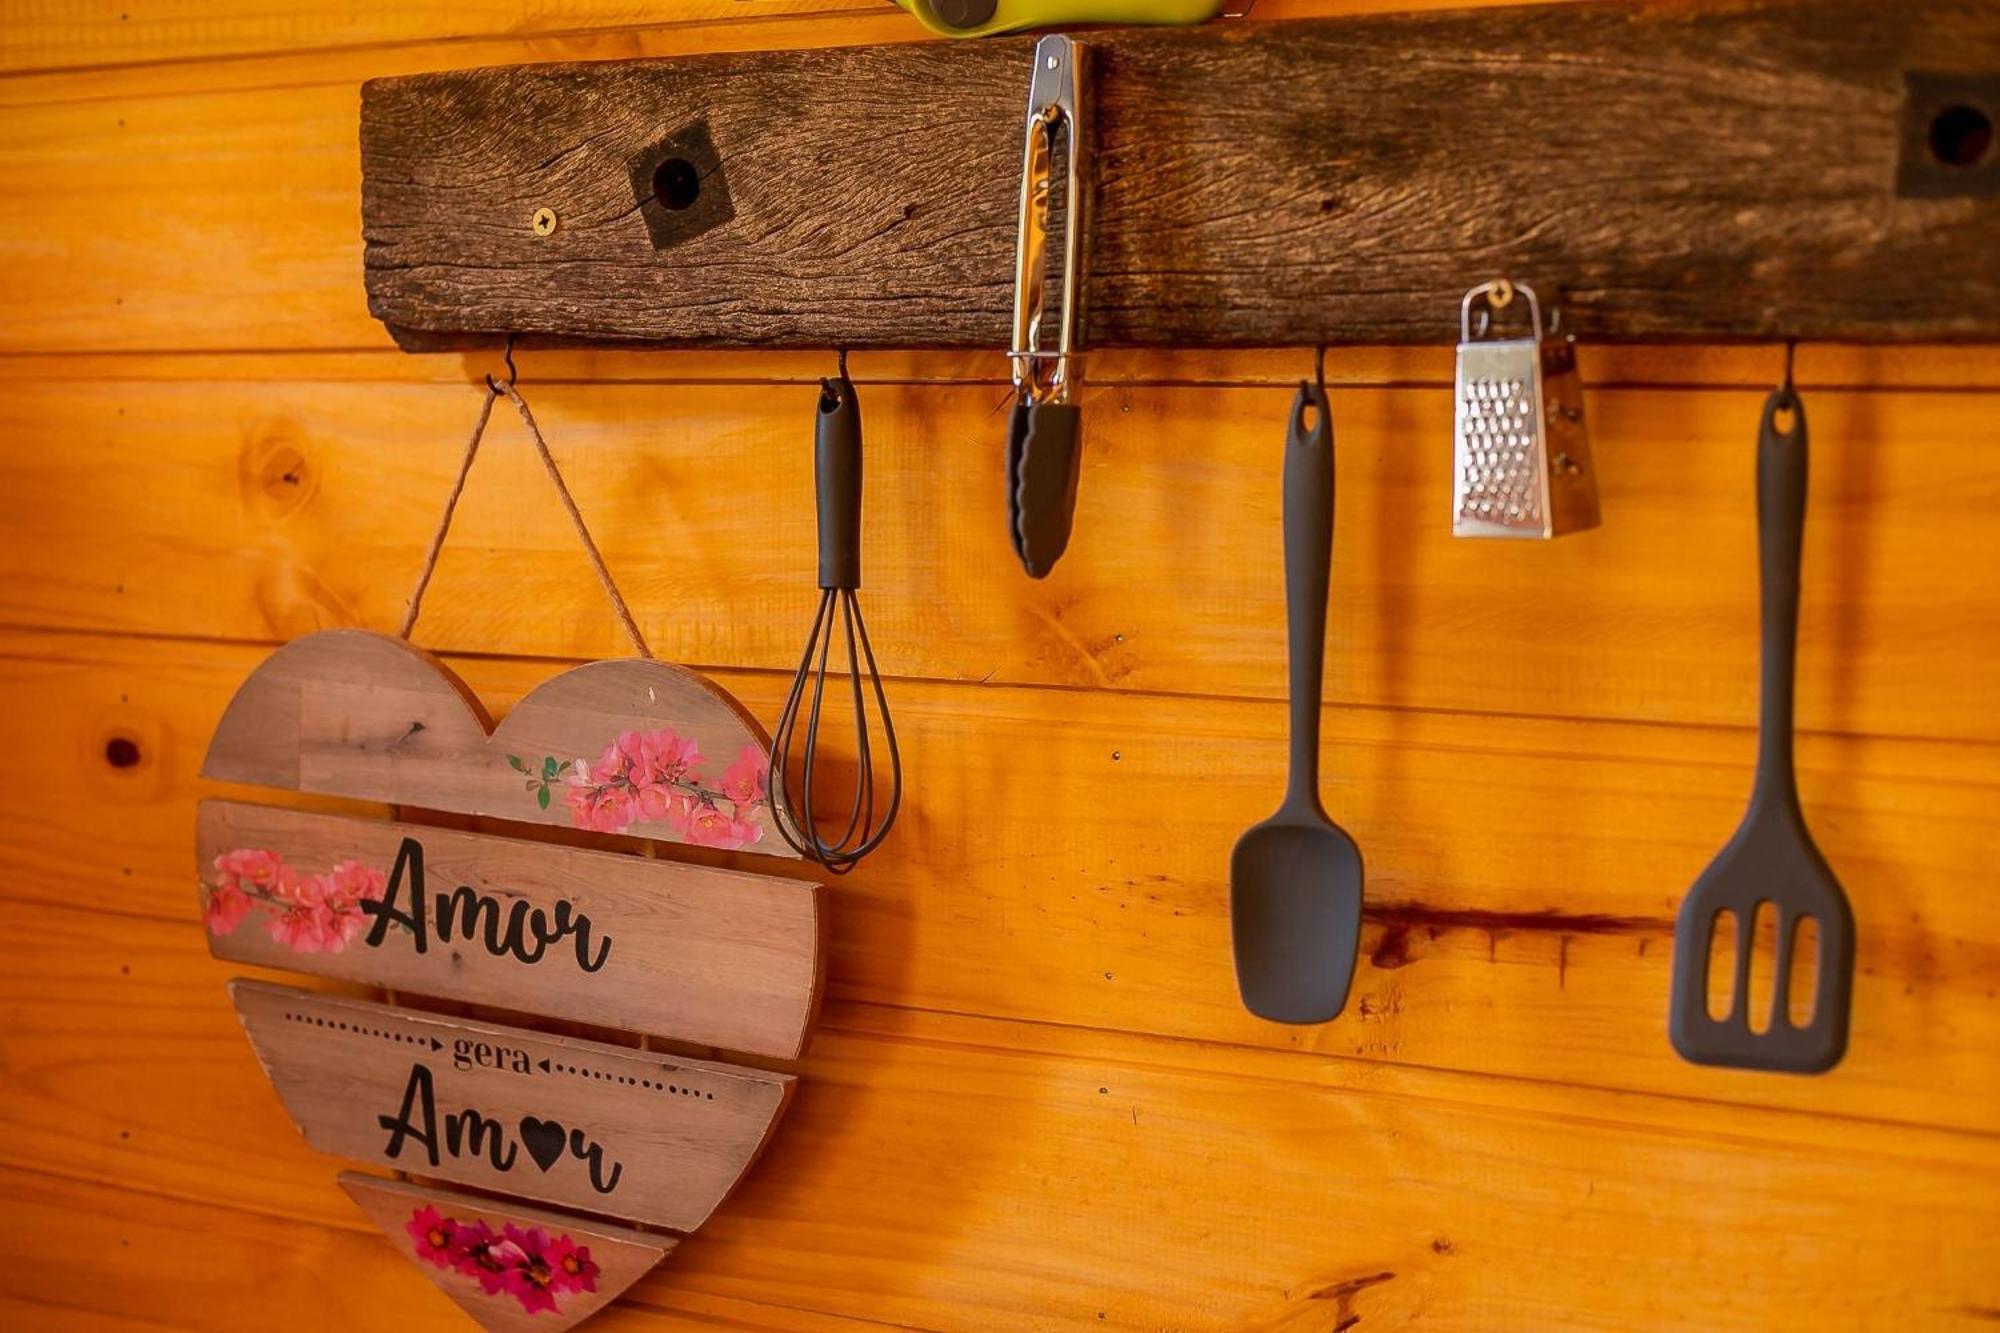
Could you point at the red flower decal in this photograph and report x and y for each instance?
(524, 1262)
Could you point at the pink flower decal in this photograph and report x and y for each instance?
(315, 914)
(523, 1262)
(601, 809)
(654, 777)
(494, 1259)
(251, 870)
(304, 923)
(746, 780)
(572, 1264)
(708, 826)
(226, 908)
(351, 883)
(431, 1232)
(533, 1279)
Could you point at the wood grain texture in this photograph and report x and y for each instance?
(1920, 366)
(714, 957)
(1258, 184)
(262, 246)
(604, 747)
(589, 1265)
(94, 273)
(182, 1263)
(927, 1152)
(1067, 851)
(207, 446)
(114, 1259)
(96, 33)
(260, 511)
(578, 1124)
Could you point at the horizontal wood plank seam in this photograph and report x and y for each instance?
(360, 1226)
(363, 1227)
(1816, 1115)
(124, 1320)
(12, 359)
(886, 1033)
(737, 22)
(520, 49)
(722, 671)
(719, 1322)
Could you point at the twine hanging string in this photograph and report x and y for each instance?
(495, 390)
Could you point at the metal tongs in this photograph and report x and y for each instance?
(1044, 445)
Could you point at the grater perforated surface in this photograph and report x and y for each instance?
(1499, 455)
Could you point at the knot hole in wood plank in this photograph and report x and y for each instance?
(1948, 149)
(680, 187)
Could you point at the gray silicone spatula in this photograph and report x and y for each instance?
(1295, 879)
(1771, 859)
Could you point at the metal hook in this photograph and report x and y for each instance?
(842, 354)
(1319, 368)
(513, 372)
(1791, 360)
(1497, 295)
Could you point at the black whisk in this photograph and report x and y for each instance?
(837, 470)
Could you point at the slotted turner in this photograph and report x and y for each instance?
(1771, 858)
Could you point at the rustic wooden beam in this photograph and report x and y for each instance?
(1806, 168)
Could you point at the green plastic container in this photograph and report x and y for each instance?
(1014, 15)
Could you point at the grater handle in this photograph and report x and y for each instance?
(1308, 557)
(1781, 523)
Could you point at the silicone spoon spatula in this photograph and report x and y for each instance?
(1771, 859)
(983, 18)
(1295, 879)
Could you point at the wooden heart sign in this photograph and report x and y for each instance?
(717, 957)
(508, 1266)
(633, 746)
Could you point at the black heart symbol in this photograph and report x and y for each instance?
(544, 1139)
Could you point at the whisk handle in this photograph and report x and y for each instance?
(837, 468)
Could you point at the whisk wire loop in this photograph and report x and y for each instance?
(868, 818)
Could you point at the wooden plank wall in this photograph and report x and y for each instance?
(1034, 1101)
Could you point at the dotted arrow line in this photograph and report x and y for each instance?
(386, 1034)
(549, 1066)
(546, 1064)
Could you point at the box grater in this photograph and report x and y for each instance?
(1520, 451)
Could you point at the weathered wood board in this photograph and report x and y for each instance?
(510, 1267)
(716, 957)
(631, 746)
(1339, 180)
(577, 1124)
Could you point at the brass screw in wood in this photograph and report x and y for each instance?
(545, 222)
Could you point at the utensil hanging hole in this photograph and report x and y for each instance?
(1763, 985)
(676, 184)
(1308, 417)
(1803, 983)
(1785, 419)
(1961, 135)
(1721, 986)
